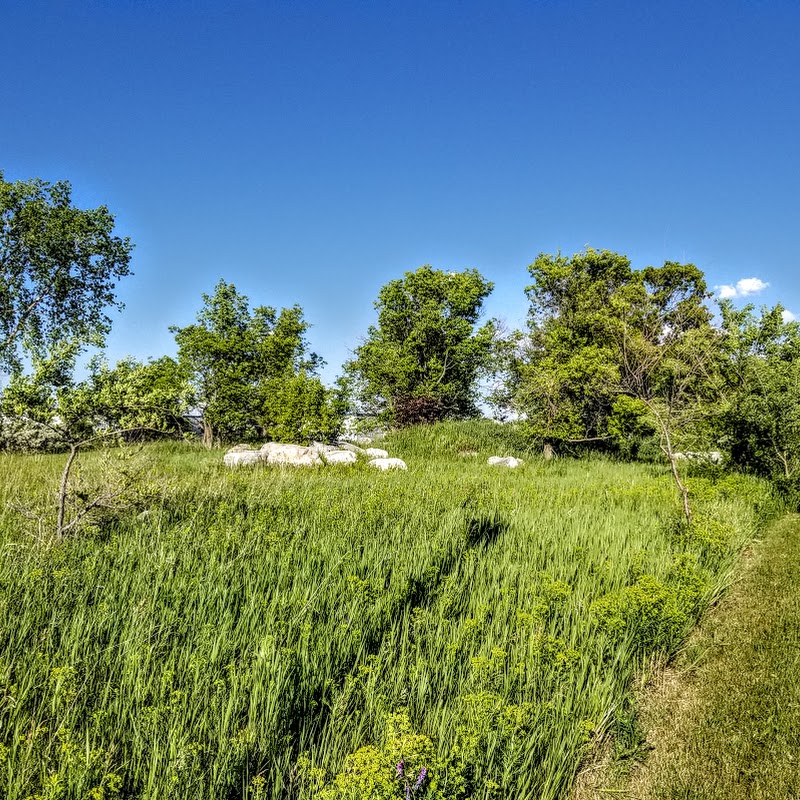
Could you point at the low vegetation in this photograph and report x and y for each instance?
(449, 632)
(722, 722)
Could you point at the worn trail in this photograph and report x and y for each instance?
(724, 722)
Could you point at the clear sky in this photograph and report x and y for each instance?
(311, 151)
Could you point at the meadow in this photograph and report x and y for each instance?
(453, 631)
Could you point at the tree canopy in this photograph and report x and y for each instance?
(761, 420)
(422, 361)
(239, 360)
(599, 330)
(59, 266)
(614, 351)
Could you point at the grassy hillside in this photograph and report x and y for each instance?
(452, 631)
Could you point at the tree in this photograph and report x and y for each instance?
(151, 397)
(613, 350)
(762, 372)
(77, 414)
(58, 269)
(299, 408)
(237, 359)
(423, 359)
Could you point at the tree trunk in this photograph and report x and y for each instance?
(62, 491)
(666, 448)
(687, 509)
(208, 434)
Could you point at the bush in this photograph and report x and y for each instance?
(418, 411)
(20, 436)
(300, 409)
(656, 614)
(788, 490)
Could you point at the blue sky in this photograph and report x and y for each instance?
(311, 151)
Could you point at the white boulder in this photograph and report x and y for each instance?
(508, 461)
(290, 455)
(353, 448)
(242, 458)
(388, 463)
(319, 447)
(340, 457)
(376, 452)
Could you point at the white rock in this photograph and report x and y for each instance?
(388, 463)
(290, 454)
(242, 458)
(376, 452)
(508, 461)
(319, 447)
(713, 457)
(353, 448)
(340, 457)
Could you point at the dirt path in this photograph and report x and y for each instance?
(723, 723)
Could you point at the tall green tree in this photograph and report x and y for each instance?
(614, 351)
(423, 359)
(59, 266)
(237, 358)
(762, 369)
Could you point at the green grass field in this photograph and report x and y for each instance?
(454, 631)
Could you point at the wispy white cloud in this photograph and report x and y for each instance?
(743, 288)
(748, 286)
(788, 316)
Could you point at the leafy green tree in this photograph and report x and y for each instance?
(59, 266)
(76, 414)
(615, 351)
(298, 408)
(237, 360)
(423, 359)
(762, 371)
(153, 396)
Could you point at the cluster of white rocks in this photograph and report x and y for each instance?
(713, 457)
(316, 455)
(319, 454)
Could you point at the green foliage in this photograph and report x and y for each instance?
(631, 427)
(298, 408)
(48, 409)
(600, 331)
(154, 396)
(245, 365)
(58, 269)
(762, 368)
(49, 399)
(422, 361)
(404, 766)
(655, 614)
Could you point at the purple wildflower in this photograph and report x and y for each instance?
(423, 773)
(401, 765)
(408, 792)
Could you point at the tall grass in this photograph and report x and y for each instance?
(293, 634)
